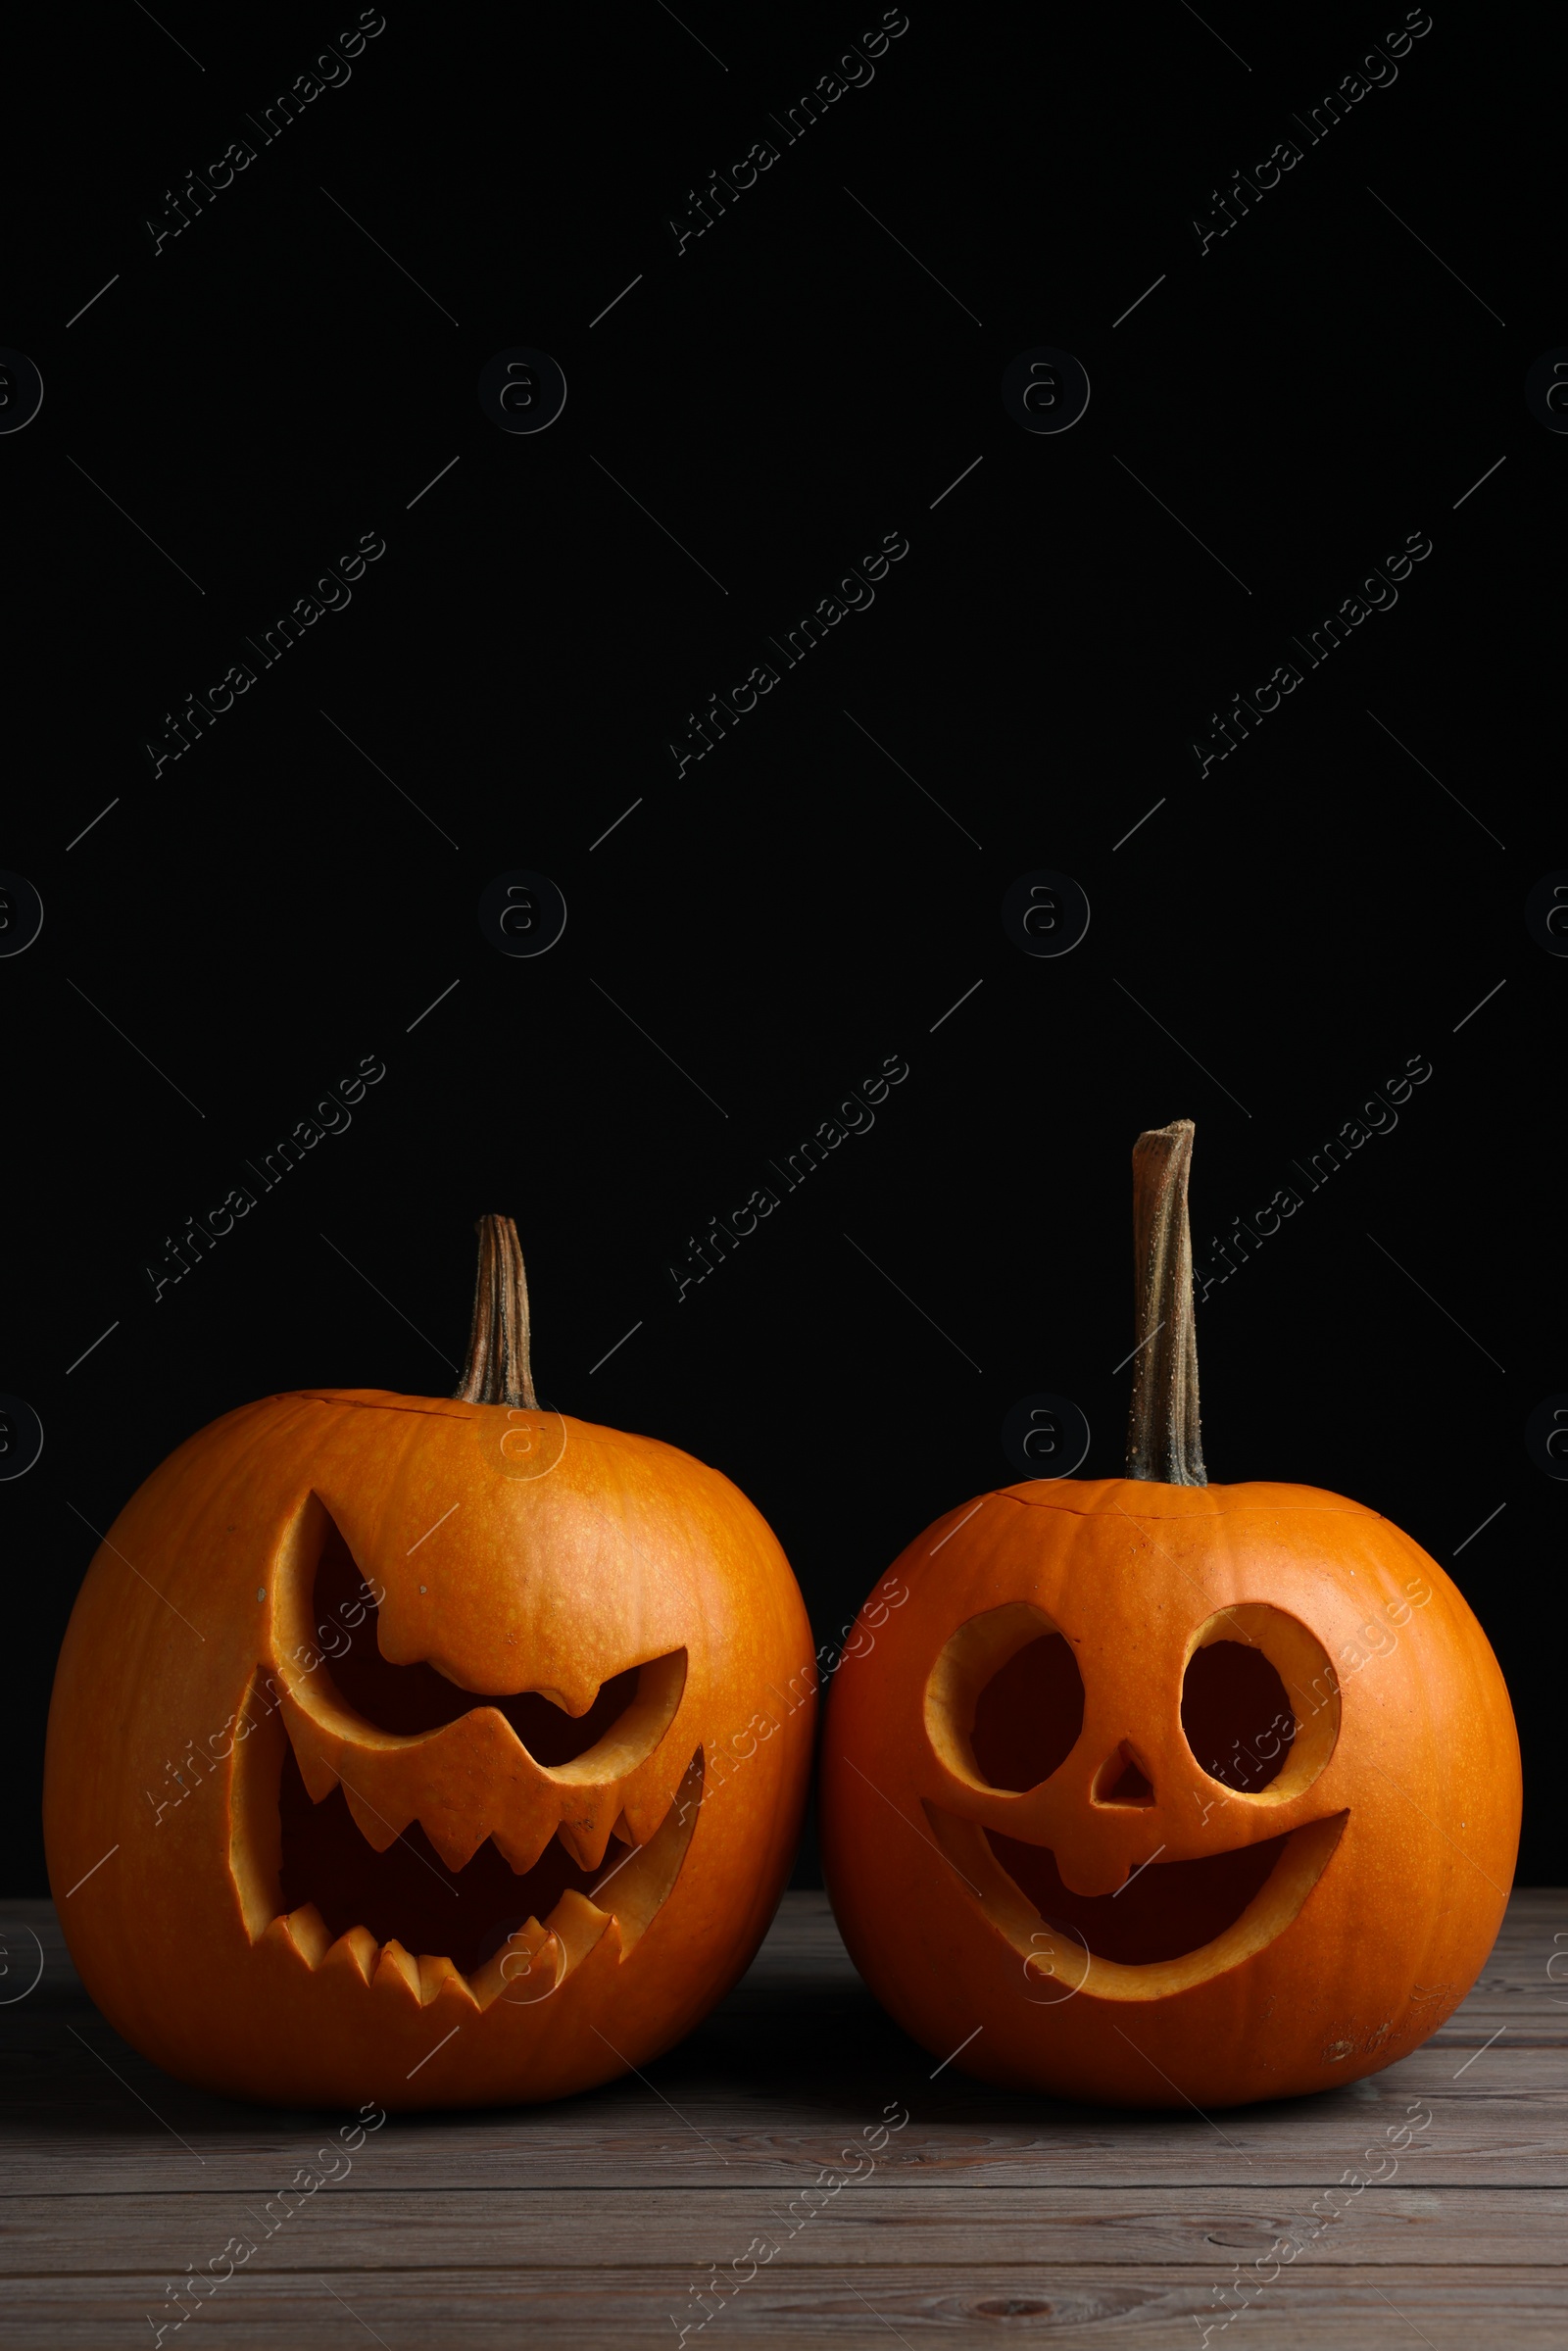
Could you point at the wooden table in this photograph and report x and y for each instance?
(986, 2215)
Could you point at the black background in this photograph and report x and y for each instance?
(1278, 939)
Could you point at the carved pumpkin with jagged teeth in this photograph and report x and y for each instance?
(392, 1724)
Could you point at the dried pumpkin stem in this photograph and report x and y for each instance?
(1163, 1429)
(498, 1370)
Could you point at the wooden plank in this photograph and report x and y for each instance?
(1145, 2305)
(653, 2228)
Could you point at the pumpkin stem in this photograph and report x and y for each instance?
(498, 1370)
(1162, 1428)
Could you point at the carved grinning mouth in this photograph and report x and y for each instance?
(421, 1830)
(1170, 1924)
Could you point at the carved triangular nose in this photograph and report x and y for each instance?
(1121, 1779)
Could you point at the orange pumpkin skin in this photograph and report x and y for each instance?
(1400, 1802)
(517, 1551)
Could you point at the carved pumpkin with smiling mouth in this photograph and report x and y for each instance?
(431, 1751)
(1208, 1793)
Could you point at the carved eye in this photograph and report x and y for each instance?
(1005, 1703)
(406, 1699)
(1260, 1703)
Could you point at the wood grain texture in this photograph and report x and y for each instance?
(592, 2221)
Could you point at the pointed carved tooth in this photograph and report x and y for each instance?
(520, 1846)
(648, 1803)
(374, 1825)
(529, 1965)
(457, 1840)
(311, 1751)
(578, 1924)
(355, 1952)
(435, 1974)
(623, 1829)
(585, 1836)
(308, 1932)
(397, 1974)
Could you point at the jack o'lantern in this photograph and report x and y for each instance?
(427, 1751)
(1156, 1792)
